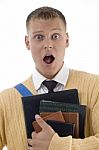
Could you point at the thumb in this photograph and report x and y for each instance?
(41, 122)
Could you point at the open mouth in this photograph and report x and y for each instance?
(48, 59)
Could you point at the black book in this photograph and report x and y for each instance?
(31, 104)
(63, 129)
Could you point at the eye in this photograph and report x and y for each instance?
(39, 37)
(56, 36)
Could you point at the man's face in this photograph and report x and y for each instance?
(47, 40)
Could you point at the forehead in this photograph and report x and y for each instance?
(36, 25)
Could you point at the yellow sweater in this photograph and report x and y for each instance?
(12, 124)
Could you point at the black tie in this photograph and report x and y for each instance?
(51, 84)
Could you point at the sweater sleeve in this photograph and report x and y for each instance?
(67, 143)
(2, 127)
(89, 143)
(60, 143)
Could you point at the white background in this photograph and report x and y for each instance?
(83, 26)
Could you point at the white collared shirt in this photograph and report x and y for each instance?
(61, 78)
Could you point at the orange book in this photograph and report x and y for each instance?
(56, 116)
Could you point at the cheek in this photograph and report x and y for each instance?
(34, 46)
(61, 44)
(36, 53)
(61, 48)
(61, 54)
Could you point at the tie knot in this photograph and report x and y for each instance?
(51, 84)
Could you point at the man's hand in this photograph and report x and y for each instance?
(41, 140)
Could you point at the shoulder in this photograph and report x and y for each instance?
(83, 74)
(84, 79)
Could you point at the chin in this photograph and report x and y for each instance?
(50, 74)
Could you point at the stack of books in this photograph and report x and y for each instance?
(61, 110)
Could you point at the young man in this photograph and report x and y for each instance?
(47, 39)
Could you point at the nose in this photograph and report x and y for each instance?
(48, 44)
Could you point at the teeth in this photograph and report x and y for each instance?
(48, 55)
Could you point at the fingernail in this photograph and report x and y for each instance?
(37, 116)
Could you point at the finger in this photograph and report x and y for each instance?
(29, 148)
(33, 135)
(30, 142)
(41, 122)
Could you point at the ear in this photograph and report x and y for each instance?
(67, 40)
(27, 42)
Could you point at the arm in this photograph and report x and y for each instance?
(89, 143)
(2, 127)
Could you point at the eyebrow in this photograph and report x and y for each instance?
(56, 29)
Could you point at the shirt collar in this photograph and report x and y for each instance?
(61, 77)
